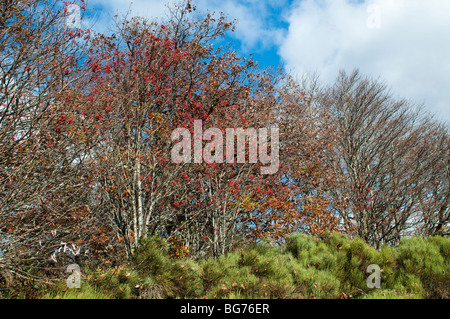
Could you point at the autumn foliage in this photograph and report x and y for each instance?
(86, 124)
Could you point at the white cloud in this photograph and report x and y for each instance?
(407, 44)
(255, 21)
(147, 8)
(106, 9)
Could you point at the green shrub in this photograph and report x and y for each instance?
(443, 243)
(346, 260)
(179, 278)
(258, 271)
(420, 257)
(314, 283)
(428, 259)
(299, 245)
(225, 277)
(334, 266)
(151, 256)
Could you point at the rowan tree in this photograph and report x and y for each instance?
(145, 82)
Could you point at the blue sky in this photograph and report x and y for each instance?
(405, 43)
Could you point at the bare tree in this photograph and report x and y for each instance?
(383, 146)
(433, 216)
(41, 180)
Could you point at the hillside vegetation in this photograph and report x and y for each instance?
(307, 267)
(141, 158)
